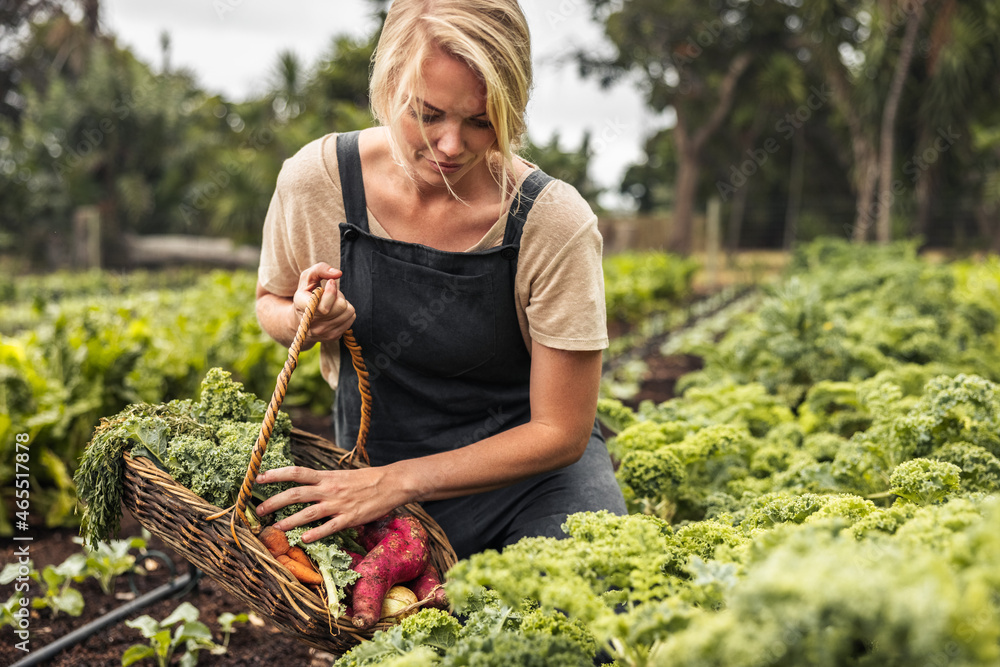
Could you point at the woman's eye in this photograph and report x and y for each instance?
(482, 124)
(424, 117)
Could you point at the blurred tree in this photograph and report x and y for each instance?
(692, 57)
(774, 88)
(650, 180)
(115, 137)
(572, 166)
(15, 19)
(954, 110)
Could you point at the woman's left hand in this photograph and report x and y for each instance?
(348, 498)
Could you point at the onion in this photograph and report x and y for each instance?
(396, 600)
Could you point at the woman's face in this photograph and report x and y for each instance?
(453, 112)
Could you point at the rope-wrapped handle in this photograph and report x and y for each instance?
(281, 387)
(364, 388)
(267, 427)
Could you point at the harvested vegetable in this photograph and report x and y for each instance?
(400, 556)
(297, 554)
(428, 587)
(205, 445)
(304, 573)
(396, 601)
(275, 541)
(331, 558)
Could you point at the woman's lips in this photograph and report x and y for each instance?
(445, 167)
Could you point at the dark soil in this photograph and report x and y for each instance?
(660, 380)
(255, 643)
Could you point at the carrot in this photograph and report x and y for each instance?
(428, 585)
(401, 555)
(275, 541)
(297, 554)
(301, 572)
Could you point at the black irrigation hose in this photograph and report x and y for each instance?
(184, 583)
(158, 555)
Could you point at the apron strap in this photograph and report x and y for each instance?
(351, 182)
(356, 207)
(532, 186)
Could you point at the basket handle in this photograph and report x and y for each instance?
(267, 427)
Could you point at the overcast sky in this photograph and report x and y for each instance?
(232, 47)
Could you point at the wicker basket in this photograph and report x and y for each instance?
(229, 552)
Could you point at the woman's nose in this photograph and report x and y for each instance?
(449, 142)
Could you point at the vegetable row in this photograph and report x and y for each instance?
(822, 492)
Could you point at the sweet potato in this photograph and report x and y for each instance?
(401, 555)
(302, 572)
(428, 587)
(275, 541)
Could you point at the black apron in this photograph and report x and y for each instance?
(448, 367)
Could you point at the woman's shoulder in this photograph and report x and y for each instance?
(312, 166)
(560, 211)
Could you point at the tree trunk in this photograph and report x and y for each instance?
(690, 145)
(865, 183)
(685, 189)
(924, 186)
(795, 180)
(988, 222)
(739, 205)
(735, 225)
(887, 190)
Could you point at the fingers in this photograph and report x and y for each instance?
(334, 525)
(312, 277)
(333, 314)
(341, 498)
(299, 474)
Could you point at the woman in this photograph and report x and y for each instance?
(471, 280)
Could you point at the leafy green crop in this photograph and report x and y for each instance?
(179, 631)
(205, 445)
(489, 634)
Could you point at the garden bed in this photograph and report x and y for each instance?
(253, 643)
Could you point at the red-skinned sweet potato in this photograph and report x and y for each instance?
(428, 587)
(400, 555)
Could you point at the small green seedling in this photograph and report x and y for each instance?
(105, 562)
(58, 595)
(226, 622)
(190, 634)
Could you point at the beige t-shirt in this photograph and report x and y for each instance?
(559, 286)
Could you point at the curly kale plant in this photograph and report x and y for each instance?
(492, 635)
(205, 445)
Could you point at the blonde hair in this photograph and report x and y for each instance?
(491, 36)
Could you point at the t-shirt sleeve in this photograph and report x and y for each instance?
(306, 205)
(277, 270)
(300, 228)
(560, 274)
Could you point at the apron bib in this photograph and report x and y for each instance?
(448, 367)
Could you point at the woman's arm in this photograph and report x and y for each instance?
(279, 316)
(564, 387)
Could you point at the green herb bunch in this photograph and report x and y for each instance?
(205, 445)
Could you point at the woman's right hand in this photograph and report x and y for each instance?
(334, 314)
